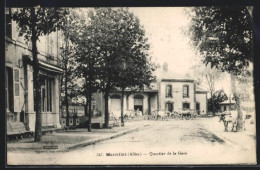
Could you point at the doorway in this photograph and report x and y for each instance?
(198, 108)
(169, 107)
(138, 103)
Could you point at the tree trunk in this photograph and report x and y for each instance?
(237, 99)
(122, 106)
(36, 84)
(66, 93)
(86, 107)
(66, 82)
(106, 110)
(89, 111)
(86, 111)
(213, 104)
(61, 110)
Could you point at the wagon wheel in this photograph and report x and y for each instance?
(187, 117)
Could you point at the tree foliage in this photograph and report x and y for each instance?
(113, 51)
(218, 97)
(224, 36)
(45, 20)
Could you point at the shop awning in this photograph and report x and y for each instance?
(50, 68)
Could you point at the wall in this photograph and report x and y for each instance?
(177, 95)
(128, 102)
(16, 48)
(13, 60)
(202, 99)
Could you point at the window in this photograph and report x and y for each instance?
(185, 91)
(46, 93)
(168, 91)
(186, 105)
(50, 44)
(9, 98)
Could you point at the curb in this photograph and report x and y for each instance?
(87, 143)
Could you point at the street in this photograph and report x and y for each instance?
(159, 142)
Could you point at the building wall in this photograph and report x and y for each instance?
(201, 98)
(145, 102)
(13, 60)
(177, 95)
(16, 48)
(154, 102)
(128, 102)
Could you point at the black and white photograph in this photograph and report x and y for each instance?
(130, 85)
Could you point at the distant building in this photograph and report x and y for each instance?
(201, 101)
(19, 77)
(170, 92)
(227, 105)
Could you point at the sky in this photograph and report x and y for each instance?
(163, 26)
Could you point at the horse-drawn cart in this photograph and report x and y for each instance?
(186, 113)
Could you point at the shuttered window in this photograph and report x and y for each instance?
(50, 44)
(16, 90)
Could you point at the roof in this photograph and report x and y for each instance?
(228, 102)
(200, 90)
(172, 76)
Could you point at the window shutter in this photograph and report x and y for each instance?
(16, 77)
(166, 91)
(188, 91)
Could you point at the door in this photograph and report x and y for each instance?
(116, 106)
(198, 108)
(138, 104)
(169, 107)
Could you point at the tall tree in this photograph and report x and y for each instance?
(134, 67)
(209, 76)
(34, 22)
(224, 35)
(69, 84)
(88, 59)
(122, 48)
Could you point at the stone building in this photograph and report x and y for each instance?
(19, 77)
(170, 92)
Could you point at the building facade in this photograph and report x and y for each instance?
(168, 93)
(19, 77)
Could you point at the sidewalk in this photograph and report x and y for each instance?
(64, 141)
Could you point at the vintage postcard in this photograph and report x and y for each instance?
(130, 86)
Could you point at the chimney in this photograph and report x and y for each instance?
(165, 67)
